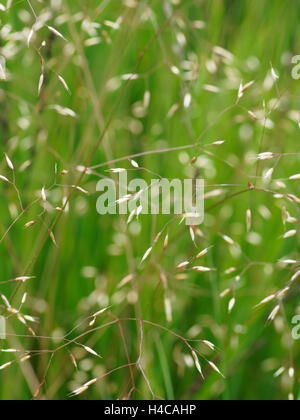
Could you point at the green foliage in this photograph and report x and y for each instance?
(78, 258)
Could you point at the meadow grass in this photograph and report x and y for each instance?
(98, 308)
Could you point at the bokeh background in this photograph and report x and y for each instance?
(183, 92)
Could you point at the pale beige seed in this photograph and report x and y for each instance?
(91, 382)
(6, 365)
(187, 100)
(146, 255)
(29, 38)
(91, 351)
(25, 359)
(166, 242)
(201, 269)
(249, 219)
(56, 32)
(31, 223)
(230, 270)
(252, 115)
(24, 299)
(80, 390)
(4, 178)
(283, 292)
(168, 309)
(43, 195)
(92, 322)
(64, 83)
(293, 198)
(182, 265)
(248, 86)
(9, 163)
(290, 234)
(267, 300)
(192, 233)
(291, 373)
(288, 262)
(130, 76)
(23, 278)
(126, 280)
(41, 83)
(231, 305)
(218, 143)
(80, 189)
(279, 372)
(284, 215)
(227, 239)
(30, 319)
(295, 276)
(274, 313)
(101, 311)
(274, 74)
(134, 163)
(225, 293)
(203, 253)
(266, 156)
(197, 363)
(5, 300)
(72, 357)
(209, 344)
(215, 368)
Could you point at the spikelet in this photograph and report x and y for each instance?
(216, 369)
(279, 372)
(6, 365)
(43, 195)
(274, 313)
(166, 242)
(9, 163)
(231, 305)
(266, 156)
(3, 178)
(197, 363)
(252, 115)
(30, 36)
(146, 255)
(56, 32)
(64, 83)
(91, 351)
(227, 239)
(201, 269)
(294, 177)
(134, 163)
(267, 300)
(209, 344)
(79, 391)
(249, 219)
(182, 265)
(225, 293)
(290, 234)
(41, 83)
(29, 224)
(126, 280)
(295, 276)
(203, 253)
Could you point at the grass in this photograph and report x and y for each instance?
(77, 258)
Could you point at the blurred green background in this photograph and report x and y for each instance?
(82, 274)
